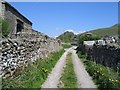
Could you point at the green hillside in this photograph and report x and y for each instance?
(110, 31)
(66, 36)
(98, 33)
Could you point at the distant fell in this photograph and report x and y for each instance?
(102, 32)
(110, 31)
(66, 36)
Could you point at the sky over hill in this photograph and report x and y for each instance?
(53, 18)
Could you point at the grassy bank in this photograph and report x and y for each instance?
(66, 46)
(34, 75)
(69, 78)
(103, 76)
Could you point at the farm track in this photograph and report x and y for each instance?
(83, 78)
(54, 77)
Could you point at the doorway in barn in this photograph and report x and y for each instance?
(19, 27)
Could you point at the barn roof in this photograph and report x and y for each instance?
(6, 3)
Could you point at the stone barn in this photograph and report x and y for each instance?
(17, 22)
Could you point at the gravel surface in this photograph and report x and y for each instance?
(54, 77)
(83, 78)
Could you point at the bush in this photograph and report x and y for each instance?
(5, 28)
(81, 55)
(86, 37)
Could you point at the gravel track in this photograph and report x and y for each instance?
(54, 77)
(83, 78)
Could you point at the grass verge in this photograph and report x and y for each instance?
(69, 78)
(33, 75)
(66, 46)
(104, 77)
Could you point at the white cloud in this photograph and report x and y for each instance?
(55, 36)
(74, 31)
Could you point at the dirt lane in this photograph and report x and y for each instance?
(54, 77)
(83, 78)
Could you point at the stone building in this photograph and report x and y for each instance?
(17, 22)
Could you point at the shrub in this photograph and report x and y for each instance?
(5, 28)
(86, 37)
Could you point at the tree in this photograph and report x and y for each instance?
(86, 37)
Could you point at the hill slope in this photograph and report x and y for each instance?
(66, 36)
(110, 31)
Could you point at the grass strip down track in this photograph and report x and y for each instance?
(68, 78)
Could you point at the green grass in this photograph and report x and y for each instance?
(103, 76)
(69, 78)
(80, 55)
(66, 46)
(110, 31)
(33, 75)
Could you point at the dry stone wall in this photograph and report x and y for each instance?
(107, 55)
(27, 48)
